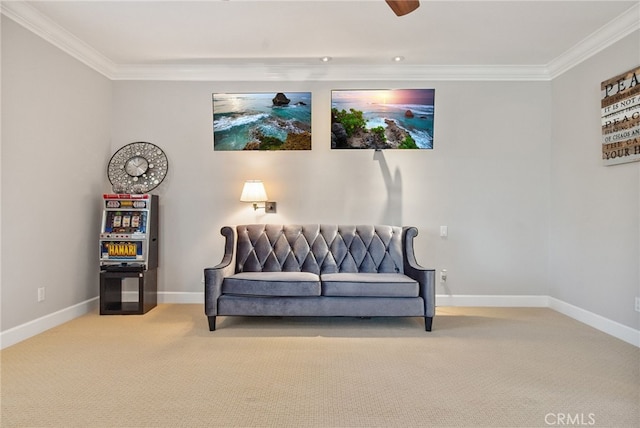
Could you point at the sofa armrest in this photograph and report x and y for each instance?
(214, 276)
(426, 277)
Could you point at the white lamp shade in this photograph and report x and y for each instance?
(253, 191)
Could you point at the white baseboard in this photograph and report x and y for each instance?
(492, 300)
(24, 331)
(168, 297)
(622, 332)
(178, 297)
(37, 326)
(596, 321)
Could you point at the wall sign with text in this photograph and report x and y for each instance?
(620, 104)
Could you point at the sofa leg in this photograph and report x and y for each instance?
(212, 323)
(427, 323)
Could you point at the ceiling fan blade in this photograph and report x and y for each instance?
(402, 7)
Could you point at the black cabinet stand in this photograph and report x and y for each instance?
(111, 302)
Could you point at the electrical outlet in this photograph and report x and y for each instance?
(270, 207)
(638, 304)
(40, 294)
(443, 276)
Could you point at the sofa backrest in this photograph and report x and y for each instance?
(319, 248)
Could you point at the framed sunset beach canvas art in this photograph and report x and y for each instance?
(262, 121)
(382, 119)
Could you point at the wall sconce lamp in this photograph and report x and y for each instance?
(254, 192)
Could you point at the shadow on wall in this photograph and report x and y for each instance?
(392, 214)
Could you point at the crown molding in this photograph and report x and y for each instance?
(615, 30)
(34, 21)
(30, 18)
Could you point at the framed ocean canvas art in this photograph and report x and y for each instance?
(382, 119)
(262, 121)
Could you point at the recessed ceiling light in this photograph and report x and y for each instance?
(325, 59)
(397, 58)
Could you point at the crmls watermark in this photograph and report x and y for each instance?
(570, 419)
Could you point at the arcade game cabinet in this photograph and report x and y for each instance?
(128, 253)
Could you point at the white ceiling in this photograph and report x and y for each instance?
(238, 39)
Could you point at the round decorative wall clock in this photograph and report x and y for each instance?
(137, 168)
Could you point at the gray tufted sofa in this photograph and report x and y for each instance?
(319, 270)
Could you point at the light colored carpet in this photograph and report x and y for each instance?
(498, 367)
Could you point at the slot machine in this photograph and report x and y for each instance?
(128, 252)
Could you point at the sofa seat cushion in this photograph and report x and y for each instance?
(272, 284)
(368, 285)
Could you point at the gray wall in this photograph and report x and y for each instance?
(487, 179)
(594, 233)
(56, 119)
